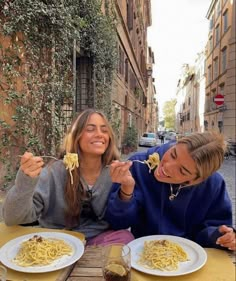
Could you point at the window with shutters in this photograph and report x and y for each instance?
(223, 59)
(130, 14)
(217, 32)
(225, 21)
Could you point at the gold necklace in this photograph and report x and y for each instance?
(172, 194)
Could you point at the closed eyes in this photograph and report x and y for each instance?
(183, 170)
(91, 128)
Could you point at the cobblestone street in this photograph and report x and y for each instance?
(228, 170)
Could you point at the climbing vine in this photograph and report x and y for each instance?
(36, 71)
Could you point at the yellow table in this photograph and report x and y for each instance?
(219, 267)
(9, 233)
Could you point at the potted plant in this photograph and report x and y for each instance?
(130, 141)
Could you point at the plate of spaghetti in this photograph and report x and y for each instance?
(166, 255)
(41, 252)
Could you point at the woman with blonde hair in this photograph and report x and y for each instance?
(58, 196)
(178, 192)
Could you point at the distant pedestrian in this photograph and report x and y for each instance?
(162, 138)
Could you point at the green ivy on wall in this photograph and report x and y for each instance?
(36, 69)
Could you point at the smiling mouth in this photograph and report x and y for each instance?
(161, 172)
(98, 142)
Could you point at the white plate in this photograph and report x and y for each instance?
(196, 254)
(10, 249)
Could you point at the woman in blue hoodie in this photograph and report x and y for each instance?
(178, 194)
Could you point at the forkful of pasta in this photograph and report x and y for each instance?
(152, 162)
(70, 160)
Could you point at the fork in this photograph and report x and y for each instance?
(44, 156)
(139, 161)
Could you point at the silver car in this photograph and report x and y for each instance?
(148, 139)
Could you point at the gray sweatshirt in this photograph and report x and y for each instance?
(42, 199)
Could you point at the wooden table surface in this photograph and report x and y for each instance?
(88, 268)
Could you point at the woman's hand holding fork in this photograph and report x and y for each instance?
(120, 173)
(31, 165)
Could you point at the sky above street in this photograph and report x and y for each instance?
(179, 31)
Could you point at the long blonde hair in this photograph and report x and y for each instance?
(73, 194)
(207, 150)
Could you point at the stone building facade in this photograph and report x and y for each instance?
(133, 91)
(213, 73)
(220, 68)
(190, 97)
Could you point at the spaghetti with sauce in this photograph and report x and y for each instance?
(164, 255)
(39, 251)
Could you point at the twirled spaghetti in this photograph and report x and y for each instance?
(39, 251)
(164, 255)
(153, 161)
(71, 162)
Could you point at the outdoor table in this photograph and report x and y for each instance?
(219, 265)
(12, 232)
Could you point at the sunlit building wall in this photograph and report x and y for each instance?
(220, 67)
(199, 92)
(151, 118)
(131, 82)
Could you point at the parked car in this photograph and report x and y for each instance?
(170, 136)
(148, 139)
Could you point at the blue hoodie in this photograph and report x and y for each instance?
(195, 214)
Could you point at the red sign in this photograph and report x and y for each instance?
(219, 99)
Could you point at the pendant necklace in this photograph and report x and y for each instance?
(87, 188)
(172, 194)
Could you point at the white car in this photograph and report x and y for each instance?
(170, 136)
(148, 139)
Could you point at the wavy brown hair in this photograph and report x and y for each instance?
(73, 193)
(207, 150)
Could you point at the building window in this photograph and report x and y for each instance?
(207, 102)
(126, 70)
(210, 44)
(132, 80)
(220, 126)
(121, 61)
(189, 101)
(130, 15)
(222, 89)
(223, 59)
(216, 66)
(211, 23)
(212, 103)
(209, 74)
(130, 120)
(218, 8)
(188, 116)
(217, 34)
(225, 20)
